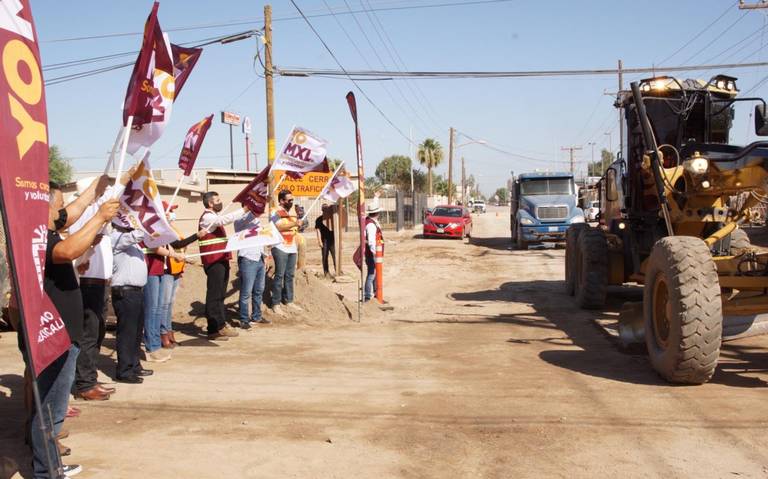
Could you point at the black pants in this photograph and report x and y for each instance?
(129, 309)
(94, 303)
(215, 312)
(328, 247)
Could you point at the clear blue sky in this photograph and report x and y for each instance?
(532, 117)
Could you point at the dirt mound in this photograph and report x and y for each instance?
(320, 303)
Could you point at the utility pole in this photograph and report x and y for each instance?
(450, 166)
(270, 98)
(463, 183)
(592, 162)
(621, 110)
(571, 149)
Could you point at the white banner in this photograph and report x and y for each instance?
(341, 187)
(253, 237)
(302, 152)
(162, 105)
(141, 208)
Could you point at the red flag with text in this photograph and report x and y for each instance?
(24, 182)
(192, 144)
(255, 196)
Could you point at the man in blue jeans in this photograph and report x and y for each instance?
(285, 254)
(250, 263)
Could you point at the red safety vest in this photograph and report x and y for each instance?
(215, 240)
(379, 237)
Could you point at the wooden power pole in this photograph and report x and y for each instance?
(270, 98)
(571, 149)
(463, 183)
(450, 166)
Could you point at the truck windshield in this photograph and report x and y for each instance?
(546, 186)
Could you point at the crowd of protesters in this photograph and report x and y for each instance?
(91, 254)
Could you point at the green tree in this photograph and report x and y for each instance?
(430, 154)
(503, 195)
(597, 168)
(59, 168)
(395, 170)
(334, 163)
(441, 186)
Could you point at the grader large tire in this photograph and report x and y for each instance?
(591, 275)
(571, 253)
(682, 310)
(739, 241)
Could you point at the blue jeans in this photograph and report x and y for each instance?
(55, 383)
(168, 285)
(282, 283)
(153, 313)
(252, 275)
(370, 278)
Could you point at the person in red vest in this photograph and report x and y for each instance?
(216, 265)
(373, 237)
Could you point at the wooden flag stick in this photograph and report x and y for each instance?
(124, 149)
(175, 193)
(322, 192)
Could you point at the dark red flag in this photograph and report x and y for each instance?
(184, 60)
(24, 182)
(352, 103)
(255, 196)
(142, 96)
(192, 144)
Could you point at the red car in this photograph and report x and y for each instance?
(448, 222)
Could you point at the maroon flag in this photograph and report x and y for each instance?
(24, 182)
(255, 196)
(143, 99)
(184, 60)
(357, 258)
(192, 144)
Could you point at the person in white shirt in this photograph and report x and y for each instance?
(285, 254)
(250, 263)
(373, 236)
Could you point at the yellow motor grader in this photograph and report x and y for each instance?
(671, 208)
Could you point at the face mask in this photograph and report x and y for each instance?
(61, 221)
(288, 205)
(218, 208)
(171, 216)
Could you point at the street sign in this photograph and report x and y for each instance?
(310, 185)
(247, 125)
(230, 118)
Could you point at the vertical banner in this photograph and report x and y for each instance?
(360, 191)
(192, 144)
(24, 181)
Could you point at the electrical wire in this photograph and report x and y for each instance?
(727, 29)
(354, 82)
(276, 19)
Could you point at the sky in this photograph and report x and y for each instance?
(531, 120)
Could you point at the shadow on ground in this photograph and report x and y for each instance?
(600, 354)
(15, 458)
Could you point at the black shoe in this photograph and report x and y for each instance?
(245, 325)
(144, 372)
(134, 379)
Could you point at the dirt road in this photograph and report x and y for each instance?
(485, 369)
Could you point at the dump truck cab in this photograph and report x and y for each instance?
(542, 207)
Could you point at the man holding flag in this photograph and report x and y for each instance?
(216, 264)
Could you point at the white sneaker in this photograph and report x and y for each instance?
(294, 307)
(72, 469)
(278, 310)
(159, 356)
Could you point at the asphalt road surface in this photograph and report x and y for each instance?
(484, 369)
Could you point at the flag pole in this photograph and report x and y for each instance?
(124, 149)
(175, 193)
(112, 152)
(352, 103)
(322, 192)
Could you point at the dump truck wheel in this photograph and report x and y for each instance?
(682, 310)
(591, 275)
(571, 253)
(739, 241)
(521, 243)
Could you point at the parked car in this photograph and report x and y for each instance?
(448, 222)
(478, 206)
(592, 211)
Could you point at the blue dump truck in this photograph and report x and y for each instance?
(542, 207)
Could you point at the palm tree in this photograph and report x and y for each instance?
(430, 154)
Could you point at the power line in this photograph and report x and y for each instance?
(333, 55)
(717, 37)
(259, 20)
(390, 75)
